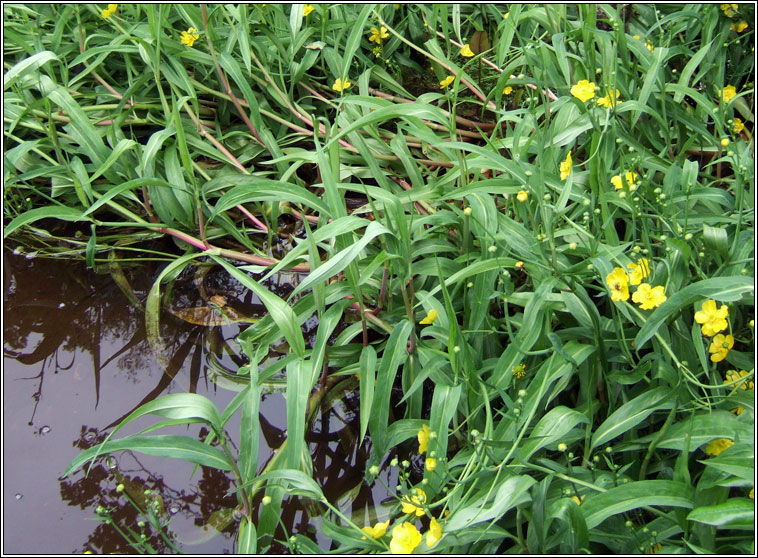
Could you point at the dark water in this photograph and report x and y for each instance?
(76, 361)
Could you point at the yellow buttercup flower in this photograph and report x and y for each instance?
(649, 46)
(728, 93)
(739, 27)
(733, 376)
(738, 125)
(654, 549)
(423, 439)
(584, 90)
(508, 90)
(189, 36)
(431, 317)
(519, 370)
(109, 11)
(522, 196)
(506, 15)
(405, 538)
(431, 464)
(566, 167)
(466, 51)
(307, 9)
(377, 531)
(638, 272)
(649, 297)
(711, 319)
(717, 446)
(415, 503)
(618, 282)
(378, 34)
(447, 81)
(340, 84)
(610, 100)
(729, 9)
(434, 534)
(720, 347)
(631, 179)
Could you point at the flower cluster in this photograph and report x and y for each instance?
(734, 376)
(711, 319)
(631, 179)
(584, 90)
(190, 36)
(341, 84)
(378, 34)
(610, 100)
(447, 81)
(729, 9)
(109, 11)
(647, 296)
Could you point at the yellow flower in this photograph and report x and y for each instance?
(519, 370)
(307, 9)
(340, 84)
(522, 196)
(423, 439)
(649, 46)
(728, 93)
(584, 90)
(729, 9)
(654, 549)
(724, 142)
(738, 411)
(637, 37)
(189, 36)
(611, 99)
(405, 538)
(711, 319)
(506, 15)
(508, 90)
(717, 446)
(109, 11)
(447, 81)
(415, 502)
(434, 534)
(739, 27)
(649, 297)
(377, 50)
(566, 167)
(378, 34)
(431, 464)
(431, 317)
(466, 51)
(733, 376)
(631, 179)
(377, 531)
(638, 271)
(720, 346)
(578, 500)
(752, 494)
(738, 125)
(618, 282)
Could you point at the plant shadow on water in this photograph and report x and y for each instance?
(77, 361)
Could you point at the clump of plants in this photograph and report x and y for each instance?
(527, 230)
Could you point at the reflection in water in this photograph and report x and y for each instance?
(76, 355)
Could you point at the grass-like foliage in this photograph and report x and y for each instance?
(529, 230)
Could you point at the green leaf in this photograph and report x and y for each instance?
(49, 212)
(736, 511)
(176, 447)
(553, 426)
(632, 413)
(366, 392)
(26, 65)
(599, 507)
(511, 493)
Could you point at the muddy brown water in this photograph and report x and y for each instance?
(76, 361)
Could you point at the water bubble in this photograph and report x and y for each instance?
(19, 496)
(61, 305)
(173, 509)
(111, 462)
(89, 436)
(44, 430)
